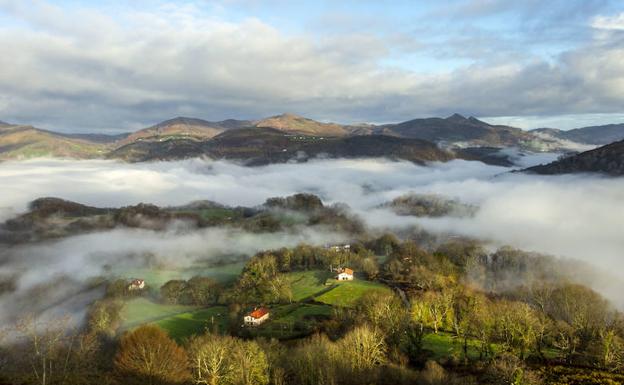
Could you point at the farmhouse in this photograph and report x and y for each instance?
(345, 274)
(136, 284)
(257, 317)
(337, 248)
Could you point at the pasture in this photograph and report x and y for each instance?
(347, 293)
(305, 284)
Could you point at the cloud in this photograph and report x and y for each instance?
(614, 22)
(88, 69)
(50, 277)
(577, 216)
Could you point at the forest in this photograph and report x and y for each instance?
(454, 314)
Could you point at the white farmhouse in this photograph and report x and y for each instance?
(345, 274)
(257, 317)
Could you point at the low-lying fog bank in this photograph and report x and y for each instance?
(576, 216)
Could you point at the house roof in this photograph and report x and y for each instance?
(260, 312)
(137, 281)
(348, 271)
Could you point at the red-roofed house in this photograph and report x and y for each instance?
(345, 274)
(257, 317)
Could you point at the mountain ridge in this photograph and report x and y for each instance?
(183, 137)
(608, 160)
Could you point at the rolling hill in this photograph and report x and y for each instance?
(22, 142)
(182, 127)
(295, 124)
(607, 159)
(459, 129)
(258, 146)
(286, 137)
(597, 135)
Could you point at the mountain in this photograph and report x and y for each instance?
(4, 123)
(185, 127)
(607, 159)
(20, 142)
(257, 146)
(596, 135)
(295, 124)
(457, 129)
(96, 138)
(282, 137)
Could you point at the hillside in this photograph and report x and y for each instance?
(257, 146)
(459, 129)
(284, 137)
(608, 160)
(182, 127)
(22, 142)
(597, 135)
(299, 125)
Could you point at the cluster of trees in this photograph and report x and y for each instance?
(199, 291)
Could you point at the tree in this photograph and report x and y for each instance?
(117, 288)
(202, 291)
(251, 366)
(313, 362)
(148, 356)
(210, 359)
(104, 316)
(172, 291)
(261, 281)
(370, 267)
(216, 360)
(362, 349)
(386, 313)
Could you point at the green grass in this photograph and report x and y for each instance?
(292, 320)
(156, 277)
(347, 293)
(444, 345)
(179, 321)
(139, 311)
(305, 284)
(184, 325)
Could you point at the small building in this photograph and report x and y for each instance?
(338, 248)
(345, 274)
(257, 317)
(136, 284)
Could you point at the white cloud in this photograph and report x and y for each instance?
(613, 22)
(578, 216)
(82, 70)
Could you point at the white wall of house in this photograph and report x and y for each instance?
(344, 277)
(251, 321)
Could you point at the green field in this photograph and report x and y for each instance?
(347, 293)
(292, 320)
(184, 325)
(178, 320)
(141, 310)
(155, 278)
(305, 284)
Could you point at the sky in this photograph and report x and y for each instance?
(99, 66)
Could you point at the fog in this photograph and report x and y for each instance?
(579, 216)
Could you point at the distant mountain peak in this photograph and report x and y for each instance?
(456, 117)
(4, 123)
(183, 120)
(289, 122)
